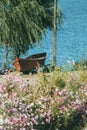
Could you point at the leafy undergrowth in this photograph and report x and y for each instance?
(57, 102)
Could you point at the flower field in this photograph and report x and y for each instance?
(57, 102)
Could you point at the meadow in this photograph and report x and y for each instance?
(58, 101)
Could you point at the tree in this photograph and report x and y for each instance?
(58, 19)
(23, 23)
(55, 29)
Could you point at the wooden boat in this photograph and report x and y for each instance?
(30, 63)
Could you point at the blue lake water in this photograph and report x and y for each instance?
(71, 39)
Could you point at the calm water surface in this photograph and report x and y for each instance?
(71, 39)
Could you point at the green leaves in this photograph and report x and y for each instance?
(23, 22)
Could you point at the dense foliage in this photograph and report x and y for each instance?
(23, 22)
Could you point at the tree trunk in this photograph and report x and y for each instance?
(6, 62)
(55, 31)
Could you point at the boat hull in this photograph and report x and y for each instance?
(30, 63)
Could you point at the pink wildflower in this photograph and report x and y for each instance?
(68, 80)
(62, 99)
(23, 119)
(63, 108)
